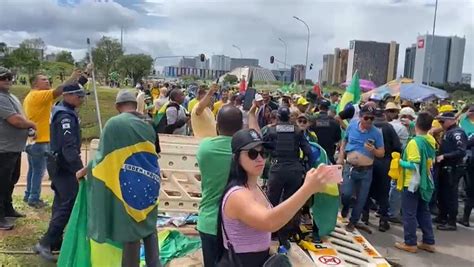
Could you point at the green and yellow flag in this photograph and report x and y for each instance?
(118, 201)
(326, 203)
(352, 93)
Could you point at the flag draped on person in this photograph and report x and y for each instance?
(325, 203)
(118, 201)
(352, 93)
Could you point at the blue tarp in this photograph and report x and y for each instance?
(420, 92)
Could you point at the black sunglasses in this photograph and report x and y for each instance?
(440, 121)
(253, 153)
(6, 78)
(367, 118)
(303, 121)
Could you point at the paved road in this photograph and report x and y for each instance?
(455, 249)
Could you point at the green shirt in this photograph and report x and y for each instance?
(467, 125)
(214, 157)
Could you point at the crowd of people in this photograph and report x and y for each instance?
(404, 160)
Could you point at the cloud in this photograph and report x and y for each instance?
(191, 27)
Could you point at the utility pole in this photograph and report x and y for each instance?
(431, 46)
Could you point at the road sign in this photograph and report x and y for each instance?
(330, 260)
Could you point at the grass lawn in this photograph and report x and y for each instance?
(87, 113)
(25, 235)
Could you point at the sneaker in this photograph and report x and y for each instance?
(439, 220)
(5, 225)
(350, 227)
(426, 247)
(395, 220)
(14, 214)
(405, 247)
(384, 225)
(464, 222)
(447, 227)
(37, 204)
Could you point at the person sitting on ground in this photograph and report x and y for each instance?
(246, 217)
(417, 187)
(202, 119)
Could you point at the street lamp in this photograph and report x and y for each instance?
(286, 48)
(431, 45)
(240, 50)
(307, 48)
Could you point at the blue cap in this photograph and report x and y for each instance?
(76, 89)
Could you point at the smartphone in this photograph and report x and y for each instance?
(334, 172)
(249, 97)
(371, 141)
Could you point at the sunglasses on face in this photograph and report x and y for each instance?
(368, 118)
(253, 153)
(6, 78)
(440, 122)
(302, 121)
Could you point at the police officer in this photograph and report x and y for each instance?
(286, 169)
(327, 129)
(63, 163)
(450, 162)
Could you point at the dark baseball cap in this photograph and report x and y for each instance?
(446, 116)
(5, 73)
(246, 139)
(76, 89)
(367, 109)
(324, 103)
(284, 113)
(334, 93)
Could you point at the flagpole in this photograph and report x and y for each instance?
(97, 108)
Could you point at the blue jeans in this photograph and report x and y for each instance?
(395, 201)
(36, 169)
(355, 181)
(416, 212)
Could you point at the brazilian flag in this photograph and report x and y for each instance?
(326, 203)
(118, 201)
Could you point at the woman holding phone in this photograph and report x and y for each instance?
(246, 218)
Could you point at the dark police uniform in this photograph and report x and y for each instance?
(453, 147)
(328, 132)
(286, 170)
(65, 151)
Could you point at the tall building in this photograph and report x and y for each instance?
(298, 73)
(220, 62)
(439, 58)
(243, 62)
(339, 70)
(328, 62)
(410, 55)
(374, 61)
(202, 64)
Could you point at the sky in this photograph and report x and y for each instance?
(191, 27)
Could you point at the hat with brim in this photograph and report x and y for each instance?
(258, 97)
(246, 139)
(302, 101)
(303, 115)
(446, 116)
(392, 106)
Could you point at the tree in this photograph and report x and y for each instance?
(65, 56)
(231, 79)
(26, 59)
(60, 70)
(135, 66)
(105, 55)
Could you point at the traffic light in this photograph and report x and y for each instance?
(203, 57)
(311, 66)
(154, 72)
(272, 59)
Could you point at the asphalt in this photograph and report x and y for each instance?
(454, 249)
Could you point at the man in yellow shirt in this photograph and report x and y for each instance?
(201, 92)
(37, 105)
(224, 100)
(202, 119)
(417, 187)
